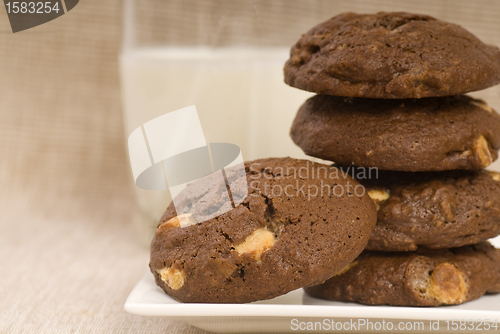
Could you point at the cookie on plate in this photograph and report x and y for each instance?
(422, 278)
(434, 210)
(391, 56)
(433, 134)
(300, 223)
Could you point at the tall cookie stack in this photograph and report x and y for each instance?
(390, 100)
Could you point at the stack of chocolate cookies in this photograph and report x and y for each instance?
(390, 100)
(390, 113)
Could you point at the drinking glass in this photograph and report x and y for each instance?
(224, 57)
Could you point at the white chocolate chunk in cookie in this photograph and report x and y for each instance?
(379, 196)
(482, 105)
(483, 151)
(448, 285)
(257, 242)
(495, 176)
(173, 277)
(180, 221)
(346, 268)
(466, 154)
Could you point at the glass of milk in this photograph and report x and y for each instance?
(230, 70)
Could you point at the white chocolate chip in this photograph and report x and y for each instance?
(483, 151)
(340, 46)
(379, 196)
(257, 242)
(180, 221)
(448, 284)
(482, 105)
(495, 176)
(465, 154)
(346, 268)
(173, 277)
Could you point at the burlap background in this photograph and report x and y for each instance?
(69, 254)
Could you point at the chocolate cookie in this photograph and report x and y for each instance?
(421, 278)
(433, 134)
(391, 56)
(434, 210)
(300, 223)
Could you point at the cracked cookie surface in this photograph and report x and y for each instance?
(283, 236)
(421, 278)
(391, 56)
(432, 134)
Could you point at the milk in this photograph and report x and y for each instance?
(239, 94)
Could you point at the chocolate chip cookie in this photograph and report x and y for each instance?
(300, 223)
(434, 210)
(432, 134)
(391, 56)
(422, 278)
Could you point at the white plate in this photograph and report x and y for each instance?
(284, 313)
